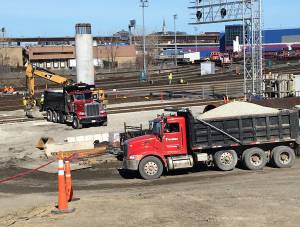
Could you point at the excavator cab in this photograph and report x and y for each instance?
(99, 96)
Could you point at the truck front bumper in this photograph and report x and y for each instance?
(131, 164)
(92, 120)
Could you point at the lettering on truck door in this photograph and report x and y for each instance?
(172, 139)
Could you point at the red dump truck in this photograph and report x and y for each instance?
(180, 141)
(74, 104)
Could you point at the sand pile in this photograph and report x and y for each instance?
(234, 109)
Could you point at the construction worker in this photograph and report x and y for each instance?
(170, 77)
(24, 101)
(42, 99)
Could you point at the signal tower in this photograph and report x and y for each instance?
(249, 12)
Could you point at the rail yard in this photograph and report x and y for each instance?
(168, 128)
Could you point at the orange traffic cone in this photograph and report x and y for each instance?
(62, 196)
(69, 187)
(226, 99)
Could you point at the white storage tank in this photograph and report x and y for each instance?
(207, 68)
(84, 54)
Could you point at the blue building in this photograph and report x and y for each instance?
(281, 35)
(273, 39)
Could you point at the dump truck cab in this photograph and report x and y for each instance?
(74, 104)
(167, 138)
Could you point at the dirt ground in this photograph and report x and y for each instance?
(195, 198)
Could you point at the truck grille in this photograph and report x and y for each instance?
(92, 110)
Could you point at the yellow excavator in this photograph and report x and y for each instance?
(30, 103)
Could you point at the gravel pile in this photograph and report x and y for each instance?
(234, 109)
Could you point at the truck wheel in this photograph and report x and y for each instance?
(76, 124)
(49, 115)
(54, 117)
(254, 158)
(60, 118)
(150, 168)
(225, 160)
(283, 157)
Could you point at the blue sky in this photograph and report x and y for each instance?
(58, 17)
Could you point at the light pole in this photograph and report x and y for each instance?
(144, 4)
(175, 17)
(3, 35)
(196, 40)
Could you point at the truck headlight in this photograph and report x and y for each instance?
(135, 157)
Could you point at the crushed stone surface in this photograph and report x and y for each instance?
(237, 108)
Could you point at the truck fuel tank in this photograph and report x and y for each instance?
(180, 162)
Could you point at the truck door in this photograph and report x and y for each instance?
(172, 139)
(70, 103)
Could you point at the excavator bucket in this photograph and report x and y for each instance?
(43, 141)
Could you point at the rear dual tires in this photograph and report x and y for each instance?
(60, 118)
(254, 158)
(283, 157)
(150, 168)
(76, 123)
(225, 160)
(54, 117)
(49, 115)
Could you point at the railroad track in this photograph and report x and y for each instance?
(13, 119)
(223, 86)
(180, 104)
(128, 109)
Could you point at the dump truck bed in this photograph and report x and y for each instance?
(55, 100)
(244, 130)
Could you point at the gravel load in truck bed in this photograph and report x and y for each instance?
(237, 108)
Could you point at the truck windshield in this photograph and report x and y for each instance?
(156, 127)
(84, 96)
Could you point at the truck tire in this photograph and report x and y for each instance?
(254, 158)
(150, 168)
(283, 157)
(54, 116)
(76, 124)
(49, 115)
(226, 159)
(60, 118)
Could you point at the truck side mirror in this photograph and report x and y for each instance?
(161, 133)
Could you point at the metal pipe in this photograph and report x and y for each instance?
(144, 4)
(175, 17)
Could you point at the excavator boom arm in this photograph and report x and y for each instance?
(32, 72)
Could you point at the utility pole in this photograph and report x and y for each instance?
(175, 36)
(144, 4)
(3, 35)
(196, 38)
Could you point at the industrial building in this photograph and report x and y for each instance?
(63, 57)
(59, 52)
(12, 56)
(273, 39)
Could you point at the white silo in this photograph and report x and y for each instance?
(84, 54)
